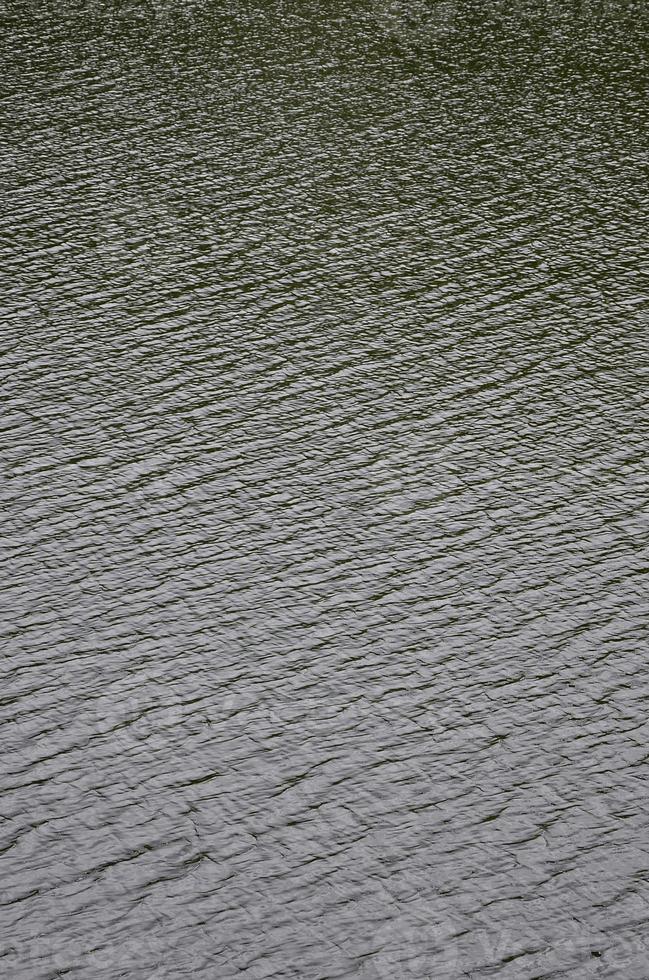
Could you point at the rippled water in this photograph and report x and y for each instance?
(324, 497)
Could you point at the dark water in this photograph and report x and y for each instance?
(324, 492)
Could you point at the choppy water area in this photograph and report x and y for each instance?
(324, 494)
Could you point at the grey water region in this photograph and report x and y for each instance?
(324, 517)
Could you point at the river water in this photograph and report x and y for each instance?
(324, 494)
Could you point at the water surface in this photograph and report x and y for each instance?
(324, 494)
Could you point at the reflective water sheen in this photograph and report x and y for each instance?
(324, 497)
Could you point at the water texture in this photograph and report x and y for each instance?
(324, 490)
